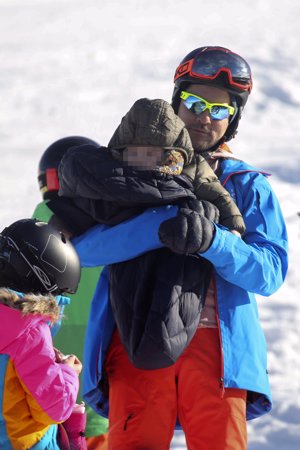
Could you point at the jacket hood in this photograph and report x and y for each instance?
(18, 312)
(153, 122)
(235, 166)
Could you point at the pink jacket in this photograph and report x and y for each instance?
(35, 391)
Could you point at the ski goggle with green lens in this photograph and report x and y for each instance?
(198, 105)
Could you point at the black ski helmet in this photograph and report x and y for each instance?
(50, 160)
(35, 257)
(220, 67)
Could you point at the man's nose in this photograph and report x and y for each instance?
(204, 117)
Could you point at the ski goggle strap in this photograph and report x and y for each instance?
(210, 63)
(198, 105)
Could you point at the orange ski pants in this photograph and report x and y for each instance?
(97, 442)
(144, 404)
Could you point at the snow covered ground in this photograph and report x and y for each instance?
(73, 67)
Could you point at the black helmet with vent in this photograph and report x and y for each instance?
(50, 160)
(35, 257)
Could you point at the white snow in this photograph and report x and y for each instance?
(74, 67)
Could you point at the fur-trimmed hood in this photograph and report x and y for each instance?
(30, 303)
(18, 313)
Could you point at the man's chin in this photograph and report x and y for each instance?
(201, 141)
(203, 147)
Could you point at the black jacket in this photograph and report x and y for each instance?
(157, 297)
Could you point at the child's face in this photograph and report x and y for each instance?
(143, 157)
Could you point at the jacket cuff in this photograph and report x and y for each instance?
(218, 242)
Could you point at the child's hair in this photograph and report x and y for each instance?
(36, 258)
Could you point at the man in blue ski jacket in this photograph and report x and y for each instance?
(221, 379)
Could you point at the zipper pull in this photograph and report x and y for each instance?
(126, 421)
(222, 388)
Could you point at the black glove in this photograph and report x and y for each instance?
(203, 207)
(187, 233)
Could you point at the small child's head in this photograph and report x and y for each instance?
(151, 136)
(36, 258)
(65, 216)
(50, 160)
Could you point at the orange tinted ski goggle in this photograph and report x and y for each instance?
(210, 63)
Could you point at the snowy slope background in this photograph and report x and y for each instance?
(73, 67)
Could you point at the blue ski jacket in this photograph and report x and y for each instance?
(255, 264)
